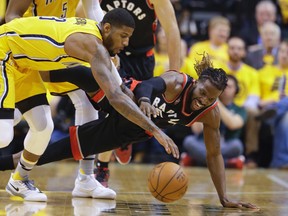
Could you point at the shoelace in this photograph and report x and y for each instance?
(29, 184)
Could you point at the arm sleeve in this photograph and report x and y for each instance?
(146, 88)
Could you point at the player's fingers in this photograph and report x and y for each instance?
(154, 112)
(249, 205)
(175, 151)
(148, 113)
(167, 148)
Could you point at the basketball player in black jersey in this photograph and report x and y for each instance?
(173, 98)
(137, 59)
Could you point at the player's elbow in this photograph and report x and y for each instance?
(10, 16)
(116, 100)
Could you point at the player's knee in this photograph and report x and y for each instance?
(44, 129)
(5, 139)
(6, 132)
(40, 121)
(17, 116)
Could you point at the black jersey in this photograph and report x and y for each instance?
(143, 38)
(173, 112)
(115, 130)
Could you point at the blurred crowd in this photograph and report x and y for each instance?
(249, 40)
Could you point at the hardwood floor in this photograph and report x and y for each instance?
(266, 188)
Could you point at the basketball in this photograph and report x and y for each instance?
(167, 182)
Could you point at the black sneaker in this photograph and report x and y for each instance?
(102, 175)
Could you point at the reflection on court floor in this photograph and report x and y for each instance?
(266, 188)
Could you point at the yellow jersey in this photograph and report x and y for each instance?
(272, 82)
(216, 53)
(59, 8)
(248, 80)
(37, 43)
(162, 65)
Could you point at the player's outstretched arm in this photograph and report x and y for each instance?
(215, 161)
(89, 48)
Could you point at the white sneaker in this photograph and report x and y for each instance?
(25, 189)
(26, 208)
(88, 186)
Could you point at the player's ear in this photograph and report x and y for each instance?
(107, 28)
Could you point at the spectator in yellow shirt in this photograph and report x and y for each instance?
(249, 93)
(215, 46)
(162, 58)
(274, 91)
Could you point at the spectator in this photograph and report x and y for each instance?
(162, 58)
(265, 11)
(215, 46)
(274, 91)
(248, 96)
(265, 53)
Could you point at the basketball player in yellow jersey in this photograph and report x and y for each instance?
(84, 111)
(71, 41)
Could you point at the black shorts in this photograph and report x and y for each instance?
(104, 134)
(140, 67)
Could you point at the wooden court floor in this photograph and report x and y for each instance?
(266, 188)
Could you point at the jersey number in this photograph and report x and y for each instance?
(64, 9)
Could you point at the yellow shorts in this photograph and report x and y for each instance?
(7, 85)
(60, 88)
(28, 83)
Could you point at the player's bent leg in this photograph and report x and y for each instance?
(85, 184)
(101, 171)
(6, 132)
(21, 186)
(123, 155)
(6, 136)
(84, 113)
(40, 128)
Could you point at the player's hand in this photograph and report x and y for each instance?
(167, 143)
(148, 109)
(116, 61)
(232, 204)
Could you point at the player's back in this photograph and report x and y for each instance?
(38, 42)
(62, 9)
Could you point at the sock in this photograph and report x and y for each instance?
(86, 165)
(102, 164)
(23, 168)
(6, 162)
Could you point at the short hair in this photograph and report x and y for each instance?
(272, 26)
(266, 3)
(119, 17)
(229, 76)
(217, 20)
(205, 71)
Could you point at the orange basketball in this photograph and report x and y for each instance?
(167, 182)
